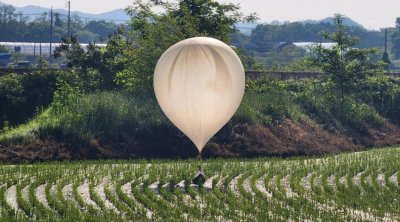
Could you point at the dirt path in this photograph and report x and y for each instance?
(393, 179)
(41, 195)
(83, 191)
(209, 182)
(233, 185)
(99, 190)
(11, 197)
(306, 182)
(260, 185)
(127, 190)
(285, 182)
(247, 186)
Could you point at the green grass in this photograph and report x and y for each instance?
(244, 200)
(27, 131)
(113, 115)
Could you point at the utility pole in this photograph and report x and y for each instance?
(40, 44)
(385, 40)
(20, 26)
(51, 33)
(5, 21)
(69, 19)
(385, 56)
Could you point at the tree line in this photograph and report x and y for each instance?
(265, 36)
(17, 27)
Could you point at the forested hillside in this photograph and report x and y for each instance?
(17, 27)
(263, 37)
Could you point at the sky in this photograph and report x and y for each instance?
(372, 14)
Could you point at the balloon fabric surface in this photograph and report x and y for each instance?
(199, 84)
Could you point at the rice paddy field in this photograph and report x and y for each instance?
(362, 186)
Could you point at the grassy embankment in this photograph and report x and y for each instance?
(296, 117)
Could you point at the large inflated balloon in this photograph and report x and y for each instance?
(199, 84)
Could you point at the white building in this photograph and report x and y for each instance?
(307, 45)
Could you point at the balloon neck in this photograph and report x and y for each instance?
(199, 156)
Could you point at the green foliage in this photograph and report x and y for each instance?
(11, 98)
(101, 28)
(115, 116)
(347, 67)
(3, 49)
(69, 87)
(386, 59)
(18, 27)
(383, 94)
(74, 54)
(264, 36)
(42, 63)
(346, 187)
(330, 110)
(57, 20)
(248, 60)
(98, 65)
(110, 115)
(153, 32)
(267, 102)
(301, 65)
(21, 96)
(270, 101)
(282, 58)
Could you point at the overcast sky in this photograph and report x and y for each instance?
(372, 14)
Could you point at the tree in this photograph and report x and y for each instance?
(346, 66)
(11, 98)
(248, 61)
(42, 63)
(17, 27)
(39, 28)
(4, 49)
(101, 28)
(58, 22)
(386, 59)
(98, 65)
(153, 32)
(264, 36)
(8, 22)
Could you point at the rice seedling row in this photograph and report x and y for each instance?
(360, 186)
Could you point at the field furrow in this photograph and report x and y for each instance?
(99, 190)
(83, 191)
(40, 195)
(11, 197)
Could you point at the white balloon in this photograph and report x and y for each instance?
(199, 84)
